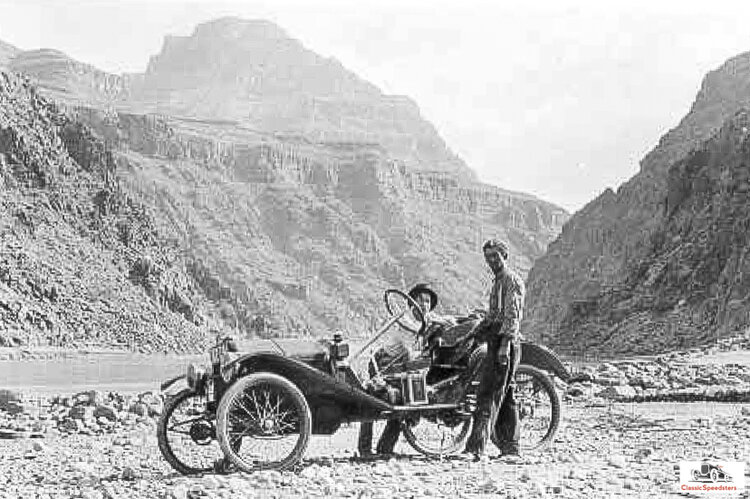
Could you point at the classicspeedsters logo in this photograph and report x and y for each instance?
(712, 477)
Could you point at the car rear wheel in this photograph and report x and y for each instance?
(187, 435)
(263, 423)
(439, 434)
(539, 409)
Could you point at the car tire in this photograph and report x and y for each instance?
(165, 427)
(289, 414)
(714, 476)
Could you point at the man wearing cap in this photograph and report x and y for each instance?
(500, 329)
(394, 357)
(427, 300)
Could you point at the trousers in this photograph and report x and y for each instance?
(387, 441)
(497, 374)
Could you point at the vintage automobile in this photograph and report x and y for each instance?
(259, 408)
(713, 472)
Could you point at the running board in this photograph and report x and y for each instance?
(424, 407)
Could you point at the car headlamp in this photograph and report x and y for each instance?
(196, 377)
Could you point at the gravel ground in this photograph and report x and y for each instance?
(604, 450)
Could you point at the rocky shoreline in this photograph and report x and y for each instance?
(675, 377)
(102, 445)
(25, 415)
(603, 450)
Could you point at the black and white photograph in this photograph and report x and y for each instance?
(377, 249)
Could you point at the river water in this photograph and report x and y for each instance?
(113, 371)
(104, 371)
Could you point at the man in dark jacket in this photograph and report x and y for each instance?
(500, 329)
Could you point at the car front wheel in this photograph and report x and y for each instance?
(263, 423)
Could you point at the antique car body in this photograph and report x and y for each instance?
(315, 381)
(334, 397)
(334, 392)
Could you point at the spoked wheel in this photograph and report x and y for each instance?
(538, 409)
(186, 435)
(438, 435)
(263, 423)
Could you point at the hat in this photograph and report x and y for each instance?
(496, 244)
(424, 288)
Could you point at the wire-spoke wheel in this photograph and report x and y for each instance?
(538, 409)
(438, 434)
(263, 423)
(186, 435)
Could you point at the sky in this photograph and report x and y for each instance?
(560, 99)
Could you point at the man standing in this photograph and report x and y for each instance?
(500, 329)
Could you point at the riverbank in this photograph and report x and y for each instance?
(603, 450)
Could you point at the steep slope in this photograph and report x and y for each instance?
(293, 215)
(252, 72)
(80, 259)
(607, 243)
(63, 78)
(306, 238)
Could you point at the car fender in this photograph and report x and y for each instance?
(543, 358)
(319, 388)
(172, 381)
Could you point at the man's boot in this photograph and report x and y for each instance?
(477, 442)
(388, 439)
(223, 466)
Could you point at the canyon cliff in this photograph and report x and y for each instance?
(283, 192)
(660, 263)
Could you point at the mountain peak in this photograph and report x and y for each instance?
(229, 48)
(727, 83)
(227, 28)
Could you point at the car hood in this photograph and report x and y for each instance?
(296, 348)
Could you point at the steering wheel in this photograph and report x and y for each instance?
(397, 302)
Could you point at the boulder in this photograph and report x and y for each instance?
(105, 411)
(7, 397)
(139, 408)
(82, 412)
(619, 392)
(90, 397)
(153, 401)
(576, 390)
